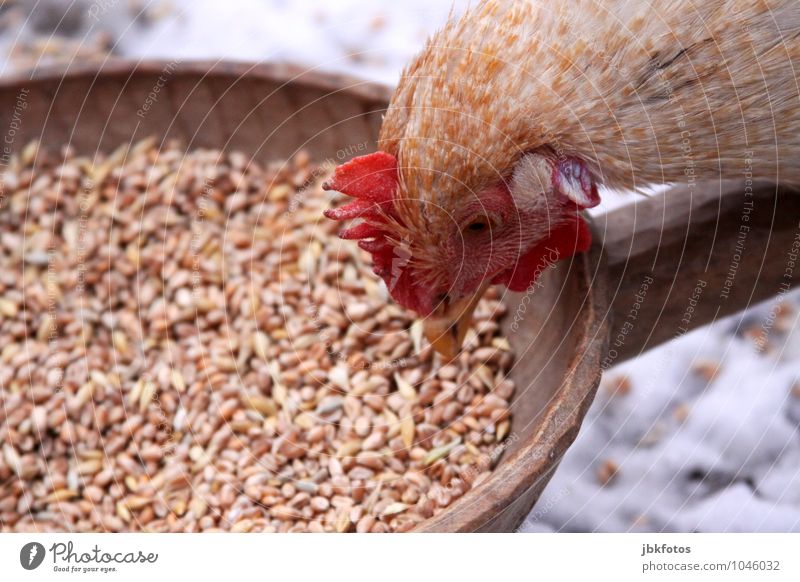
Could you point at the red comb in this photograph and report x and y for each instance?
(370, 178)
(372, 181)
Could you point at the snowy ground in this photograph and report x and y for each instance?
(699, 435)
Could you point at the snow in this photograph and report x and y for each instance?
(730, 465)
(692, 452)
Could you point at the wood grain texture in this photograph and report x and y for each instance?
(686, 259)
(269, 111)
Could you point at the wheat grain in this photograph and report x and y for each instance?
(186, 346)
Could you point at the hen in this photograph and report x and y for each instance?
(501, 129)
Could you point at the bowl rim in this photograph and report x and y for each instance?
(283, 73)
(532, 465)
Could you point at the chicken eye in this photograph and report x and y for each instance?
(477, 226)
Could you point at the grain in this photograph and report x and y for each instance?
(708, 370)
(618, 385)
(607, 472)
(187, 346)
(407, 431)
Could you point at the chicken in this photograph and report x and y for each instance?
(501, 129)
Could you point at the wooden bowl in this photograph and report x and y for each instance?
(272, 112)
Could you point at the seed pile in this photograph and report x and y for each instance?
(185, 345)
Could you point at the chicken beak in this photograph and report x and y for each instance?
(446, 330)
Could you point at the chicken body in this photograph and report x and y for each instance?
(500, 128)
(640, 90)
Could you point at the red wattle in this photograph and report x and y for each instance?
(565, 241)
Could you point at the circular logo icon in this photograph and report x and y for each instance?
(31, 555)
